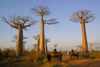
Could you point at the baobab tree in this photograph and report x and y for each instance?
(84, 16)
(42, 11)
(46, 41)
(34, 46)
(55, 46)
(24, 42)
(37, 37)
(18, 22)
(97, 48)
(14, 39)
(80, 48)
(77, 48)
(90, 47)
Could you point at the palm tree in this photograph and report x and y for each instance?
(14, 39)
(55, 46)
(18, 22)
(37, 37)
(83, 17)
(46, 41)
(42, 11)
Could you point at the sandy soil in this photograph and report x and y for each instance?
(81, 62)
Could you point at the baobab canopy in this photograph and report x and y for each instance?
(85, 15)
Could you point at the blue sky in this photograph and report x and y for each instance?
(66, 34)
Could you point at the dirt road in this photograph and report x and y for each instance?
(81, 62)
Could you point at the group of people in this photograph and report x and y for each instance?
(55, 54)
(58, 55)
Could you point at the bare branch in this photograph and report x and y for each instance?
(24, 42)
(13, 40)
(47, 40)
(85, 15)
(51, 21)
(5, 20)
(36, 37)
(40, 10)
(55, 45)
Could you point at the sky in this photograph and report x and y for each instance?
(67, 34)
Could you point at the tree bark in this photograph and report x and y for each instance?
(23, 47)
(41, 45)
(38, 45)
(77, 48)
(80, 48)
(84, 40)
(90, 48)
(45, 47)
(19, 50)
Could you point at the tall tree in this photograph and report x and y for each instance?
(37, 37)
(14, 39)
(90, 47)
(55, 46)
(42, 11)
(46, 41)
(97, 48)
(34, 46)
(18, 22)
(84, 16)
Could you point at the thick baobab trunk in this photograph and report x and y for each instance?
(41, 45)
(84, 40)
(38, 41)
(45, 47)
(19, 50)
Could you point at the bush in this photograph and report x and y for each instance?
(0, 53)
(92, 56)
(98, 56)
(5, 53)
(7, 60)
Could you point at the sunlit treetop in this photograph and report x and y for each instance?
(40, 10)
(14, 21)
(47, 40)
(55, 45)
(36, 37)
(83, 15)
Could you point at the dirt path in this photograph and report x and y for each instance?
(81, 62)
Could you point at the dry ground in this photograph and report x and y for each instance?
(81, 62)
